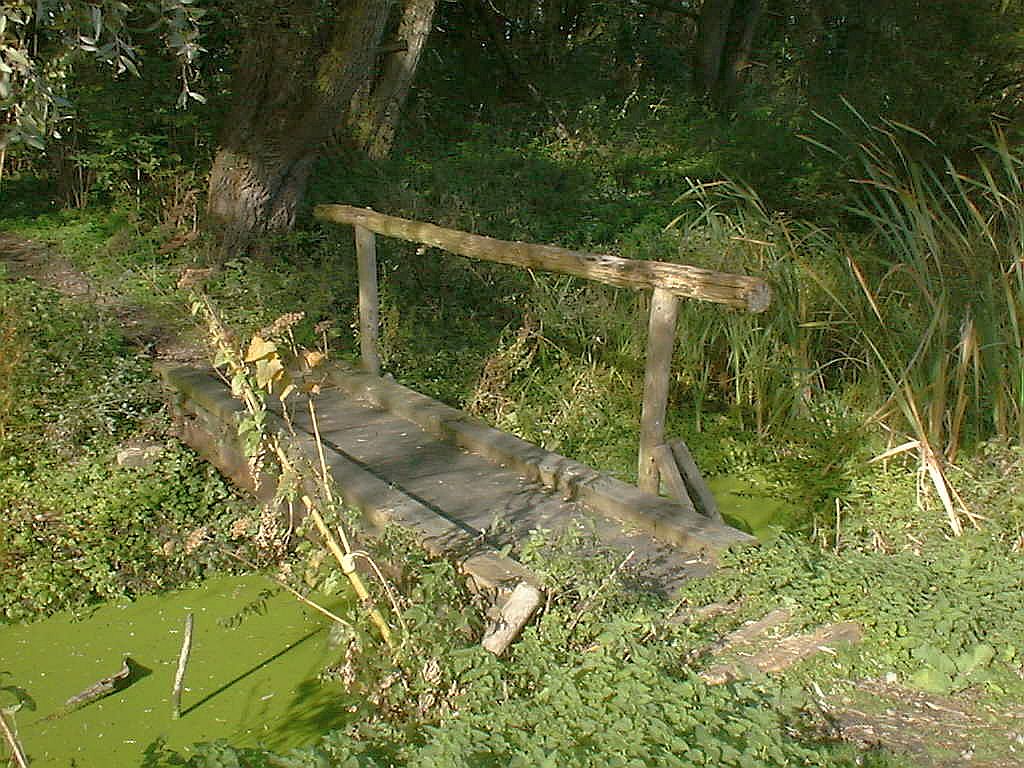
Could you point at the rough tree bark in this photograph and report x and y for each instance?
(374, 127)
(725, 39)
(292, 87)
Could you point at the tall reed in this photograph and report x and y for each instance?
(943, 278)
(770, 363)
(926, 308)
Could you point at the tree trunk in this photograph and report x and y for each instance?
(375, 128)
(725, 39)
(292, 86)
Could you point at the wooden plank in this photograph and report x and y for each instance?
(661, 338)
(369, 302)
(695, 480)
(682, 280)
(670, 475)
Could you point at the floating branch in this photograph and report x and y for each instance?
(179, 676)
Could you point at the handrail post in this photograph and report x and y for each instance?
(369, 302)
(661, 337)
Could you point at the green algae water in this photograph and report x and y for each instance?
(751, 505)
(252, 678)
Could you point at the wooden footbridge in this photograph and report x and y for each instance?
(472, 492)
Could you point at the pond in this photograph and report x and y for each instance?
(753, 505)
(252, 678)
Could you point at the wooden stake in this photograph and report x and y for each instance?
(661, 337)
(673, 479)
(179, 676)
(695, 482)
(369, 301)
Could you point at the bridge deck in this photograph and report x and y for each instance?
(395, 455)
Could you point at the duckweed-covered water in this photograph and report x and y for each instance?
(753, 506)
(252, 678)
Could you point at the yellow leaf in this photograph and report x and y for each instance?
(313, 358)
(286, 391)
(259, 348)
(268, 370)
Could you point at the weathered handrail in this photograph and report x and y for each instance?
(669, 283)
(681, 280)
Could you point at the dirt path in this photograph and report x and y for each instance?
(35, 260)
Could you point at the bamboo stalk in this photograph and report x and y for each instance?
(179, 676)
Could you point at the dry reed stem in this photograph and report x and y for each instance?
(348, 567)
(17, 751)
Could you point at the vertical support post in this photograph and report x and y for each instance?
(369, 303)
(661, 337)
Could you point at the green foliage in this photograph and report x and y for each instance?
(40, 43)
(613, 688)
(73, 382)
(78, 528)
(94, 532)
(940, 615)
(602, 677)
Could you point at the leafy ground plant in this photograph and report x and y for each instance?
(78, 527)
(612, 687)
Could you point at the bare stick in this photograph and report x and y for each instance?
(17, 753)
(179, 676)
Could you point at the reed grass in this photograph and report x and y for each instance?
(925, 307)
(946, 287)
(770, 363)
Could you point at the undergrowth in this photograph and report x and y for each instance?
(790, 401)
(78, 528)
(601, 679)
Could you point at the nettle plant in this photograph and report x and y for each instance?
(432, 612)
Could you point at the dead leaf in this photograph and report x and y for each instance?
(313, 358)
(268, 370)
(259, 348)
